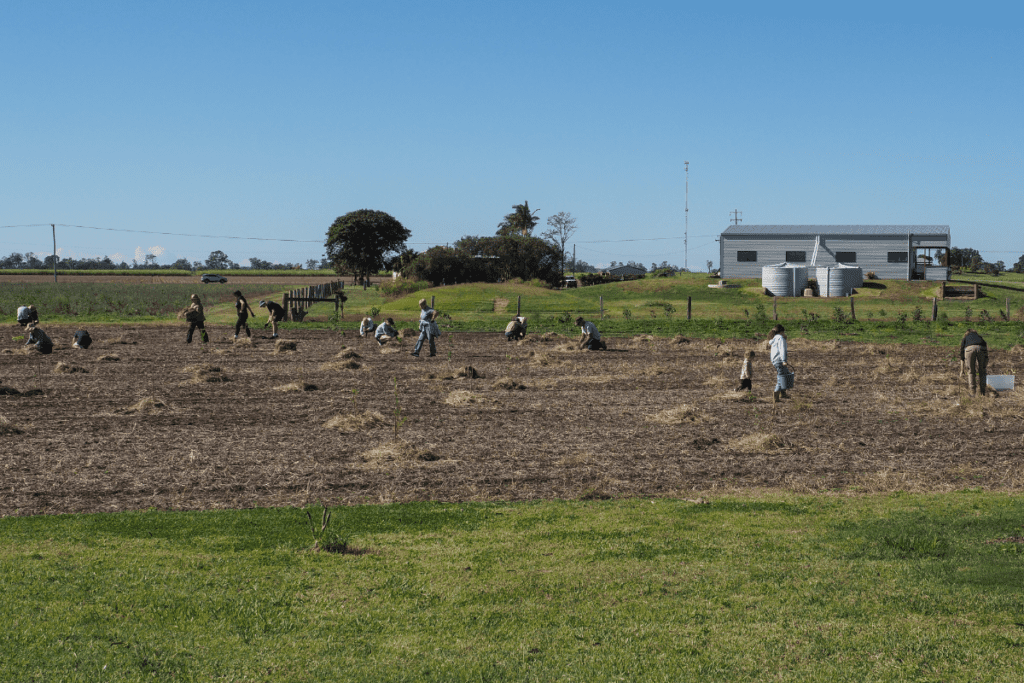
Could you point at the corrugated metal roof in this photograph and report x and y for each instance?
(836, 230)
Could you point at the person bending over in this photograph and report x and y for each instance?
(385, 332)
(590, 338)
(27, 315)
(974, 359)
(276, 315)
(366, 326)
(40, 339)
(82, 340)
(516, 329)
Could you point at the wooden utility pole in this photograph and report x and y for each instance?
(54, 251)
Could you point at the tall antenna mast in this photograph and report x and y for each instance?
(736, 216)
(686, 218)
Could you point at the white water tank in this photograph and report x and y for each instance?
(784, 279)
(839, 280)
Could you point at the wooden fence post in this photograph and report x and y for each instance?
(935, 309)
(431, 300)
(975, 290)
(601, 298)
(519, 304)
(287, 310)
(689, 306)
(853, 313)
(1007, 308)
(775, 307)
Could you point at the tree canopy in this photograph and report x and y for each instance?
(361, 241)
(519, 222)
(563, 225)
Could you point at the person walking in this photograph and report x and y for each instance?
(40, 339)
(780, 359)
(428, 329)
(196, 319)
(244, 310)
(590, 338)
(276, 315)
(385, 332)
(974, 359)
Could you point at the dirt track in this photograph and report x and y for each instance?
(649, 417)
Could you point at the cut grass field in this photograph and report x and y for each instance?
(751, 588)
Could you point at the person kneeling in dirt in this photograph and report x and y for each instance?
(366, 326)
(276, 316)
(196, 319)
(516, 329)
(36, 336)
(27, 315)
(82, 340)
(385, 332)
(590, 338)
(747, 373)
(974, 359)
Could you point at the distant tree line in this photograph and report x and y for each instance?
(217, 260)
(970, 260)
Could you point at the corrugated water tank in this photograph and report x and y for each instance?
(784, 279)
(839, 280)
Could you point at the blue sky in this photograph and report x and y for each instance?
(269, 120)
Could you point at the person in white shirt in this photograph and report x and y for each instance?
(366, 326)
(516, 329)
(590, 338)
(780, 359)
(27, 314)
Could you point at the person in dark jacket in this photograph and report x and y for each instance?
(36, 336)
(82, 340)
(244, 310)
(276, 316)
(974, 359)
(196, 319)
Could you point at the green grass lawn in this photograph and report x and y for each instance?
(777, 587)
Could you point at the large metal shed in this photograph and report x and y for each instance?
(891, 252)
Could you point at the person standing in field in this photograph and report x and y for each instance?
(747, 373)
(36, 336)
(244, 310)
(385, 332)
(196, 319)
(276, 315)
(780, 359)
(974, 359)
(590, 338)
(428, 329)
(27, 314)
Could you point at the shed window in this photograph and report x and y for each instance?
(746, 256)
(846, 257)
(898, 257)
(796, 256)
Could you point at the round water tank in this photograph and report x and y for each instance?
(784, 279)
(839, 280)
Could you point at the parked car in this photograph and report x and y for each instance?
(569, 282)
(206, 279)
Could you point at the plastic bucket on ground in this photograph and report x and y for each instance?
(1000, 382)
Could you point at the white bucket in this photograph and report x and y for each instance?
(1000, 382)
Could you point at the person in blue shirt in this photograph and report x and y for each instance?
(428, 329)
(385, 332)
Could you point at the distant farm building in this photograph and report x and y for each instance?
(891, 252)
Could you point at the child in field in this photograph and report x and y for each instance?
(386, 332)
(747, 373)
(366, 326)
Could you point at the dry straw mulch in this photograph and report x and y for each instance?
(8, 428)
(357, 422)
(246, 342)
(145, 406)
(205, 373)
(109, 358)
(341, 365)
(677, 415)
(62, 368)
(508, 384)
(284, 346)
(296, 386)
(461, 397)
(407, 332)
(347, 353)
(400, 452)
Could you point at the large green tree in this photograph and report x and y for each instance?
(519, 222)
(361, 241)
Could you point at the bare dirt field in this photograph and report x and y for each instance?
(142, 420)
